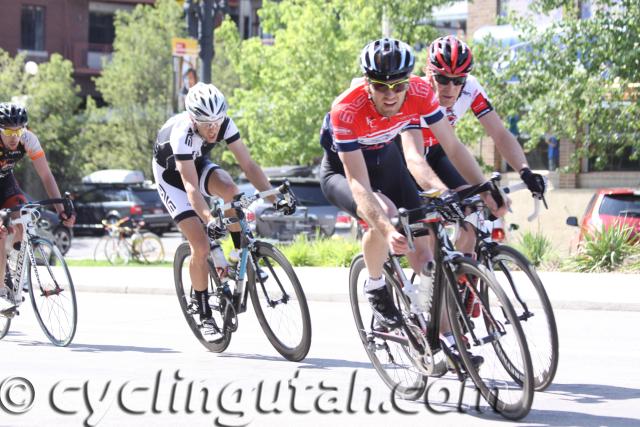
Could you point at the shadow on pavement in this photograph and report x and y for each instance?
(101, 348)
(308, 363)
(592, 393)
(538, 417)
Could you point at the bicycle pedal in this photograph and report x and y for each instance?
(10, 312)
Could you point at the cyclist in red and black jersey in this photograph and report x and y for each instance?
(362, 170)
(16, 142)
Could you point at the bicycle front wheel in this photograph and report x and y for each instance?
(524, 289)
(389, 351)
(279, 302)
(497, 330)
(5, 323)
(52, 294)
(215, 342)
(149, 248)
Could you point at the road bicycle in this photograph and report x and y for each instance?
(123, 243)
(523, 287)
(41, 267)
(406, 356)
(262, 272)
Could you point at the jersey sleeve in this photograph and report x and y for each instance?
(480, 104)
(181, 141)
(426, 104)
(32, 145)
(343, 124)
(229, 131)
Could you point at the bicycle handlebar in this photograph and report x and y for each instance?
(244, 201)
(65, 201)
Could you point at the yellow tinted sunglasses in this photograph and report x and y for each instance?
(12, 132)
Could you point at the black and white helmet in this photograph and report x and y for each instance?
(387, 59)
(205, 102)
(12, 115)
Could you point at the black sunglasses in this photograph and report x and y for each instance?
(444, 80)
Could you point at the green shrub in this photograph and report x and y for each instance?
(320, 252)
(536, 247)
(606, 249)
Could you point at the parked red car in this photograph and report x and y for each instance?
(609, 206)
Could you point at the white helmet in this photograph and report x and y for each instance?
(205, 102)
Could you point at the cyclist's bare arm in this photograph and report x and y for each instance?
(506, 143)
(413, 149)
(51, 186)
(187, 170)
(254, 173)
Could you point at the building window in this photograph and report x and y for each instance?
(101, 29)
(32, 28)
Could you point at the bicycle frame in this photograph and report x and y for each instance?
(29, 216)
(240, 202)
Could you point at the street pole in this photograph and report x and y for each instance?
(206, 38)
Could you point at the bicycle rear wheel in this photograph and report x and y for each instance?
(279, 302)
(215, 342)
(523, 287)
(52, 294)
(117, 251)
(149, 247)
(389, 351)
(499, 329)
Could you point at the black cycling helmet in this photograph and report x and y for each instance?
(386, 60)
(12, 115)
(450, 55)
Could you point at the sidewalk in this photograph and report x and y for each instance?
(577, 291)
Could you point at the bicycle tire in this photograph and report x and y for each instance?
(267, 296)
(491, 378)
(393, 366)
(184, 292)
(50, 282)
(116, 251)
(540, 334)
(150, 248)
(100, 247)
(5, 324)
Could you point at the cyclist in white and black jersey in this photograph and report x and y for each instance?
(184, 173)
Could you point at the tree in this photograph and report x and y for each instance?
(137, 86)
(286, 88)
(574, 78)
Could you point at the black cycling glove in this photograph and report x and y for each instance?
(286, 206)
(534, 181)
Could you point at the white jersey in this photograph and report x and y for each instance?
(471, 96)
(178, 140)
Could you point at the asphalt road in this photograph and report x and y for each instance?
(134, 361)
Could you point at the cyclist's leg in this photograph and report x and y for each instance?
(174, 197)
(10, 196)
(215, 181)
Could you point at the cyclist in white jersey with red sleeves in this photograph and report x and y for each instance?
(449, 63)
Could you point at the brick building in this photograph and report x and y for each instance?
(82, 31)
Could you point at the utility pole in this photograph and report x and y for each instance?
(200, 16)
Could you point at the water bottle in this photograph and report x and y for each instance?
(424, 287)
(217, 256)
(234, 260)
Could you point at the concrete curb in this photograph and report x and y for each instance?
(573, 291)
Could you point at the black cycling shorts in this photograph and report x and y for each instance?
(389, 177)
(442, 166)
(10, 193)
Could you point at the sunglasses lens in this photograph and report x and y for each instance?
(13, 132)
(444, 80)
(397, 87)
